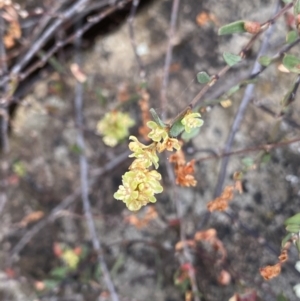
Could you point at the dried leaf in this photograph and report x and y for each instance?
(283, 256)
(224, 278)
(206, 235)
(184, 172)
(31, 218)
(77, 73)
(57, 249)
(226, 103)
(181, 244)
(123, 94)
(202, 18)
(221, 202)
(143, 222)
(270, 271)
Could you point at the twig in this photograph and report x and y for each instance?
(265, 147)
(224, 70)
(3, 200)
(91, 21)
(134, 6)
(4, 117)
(36, 47)
(168, 58)
(62, 206)
(243, 82)
(241, 111)
(287, 120)
(45, 18)
(41, 224)
(85, 186)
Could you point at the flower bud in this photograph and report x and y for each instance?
(252, 27)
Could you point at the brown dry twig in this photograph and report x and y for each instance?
(264, 26)
(85, 186)
(4, 117)
(134, 6)
(168, 59)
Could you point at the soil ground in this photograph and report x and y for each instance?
(42, 168)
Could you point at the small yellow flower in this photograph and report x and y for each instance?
(138, 189)
(191, 121)
(70, 258)
(145, 155)
(168, 144)
(158, 133)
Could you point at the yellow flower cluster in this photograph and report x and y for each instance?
(114, 127)
(70, 258)
(141, 184)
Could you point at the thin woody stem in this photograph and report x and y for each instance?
(264, 147)
(224, 70)
(168, 58)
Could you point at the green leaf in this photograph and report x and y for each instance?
(235, 27)
(188, 136)
(119, 263)
(19, 169)
(76, 149)
(266, 158)
(232, 90)
(289, 96)
(157, 119)
(295, 219)
(50, 284)
(297, 243)
(292, 63)
(293, 228)
(203, 77)
(287, 1)
(231, 59)
(281, 297)
(286, 239)
(291, 36)
(144, 85)
(99, 94)
(248, 162)
(176, 129)
(297, 8)
(265, 60)
(98, 272)
(60, 272)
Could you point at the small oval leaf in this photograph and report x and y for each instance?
(297, 8)
(286, 239)
(156, 118)
(281, 297)
(291, 36)
(295, 219)
(188, 136)
(231, 59)
(176, 129)
(297, 243)
(265, 60)
(292, 63)
(203, 77)
(293, 228)
(235, 27)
